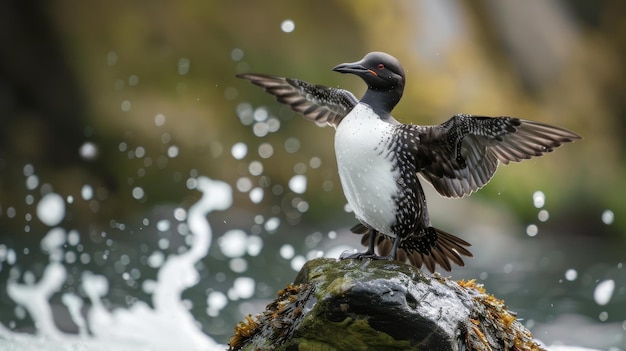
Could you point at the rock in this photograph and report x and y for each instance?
(380, 305)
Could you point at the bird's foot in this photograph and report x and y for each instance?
(364, 255)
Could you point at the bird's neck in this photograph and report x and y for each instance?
(382, 101)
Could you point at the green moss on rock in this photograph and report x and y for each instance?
(380, 305)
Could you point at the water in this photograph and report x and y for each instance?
(166, 325)
(165, 321)
(171, 280)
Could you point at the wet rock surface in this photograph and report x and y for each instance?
(380, 305)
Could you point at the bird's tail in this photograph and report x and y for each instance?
(431, 247)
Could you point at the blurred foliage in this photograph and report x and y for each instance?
(151, 84)
(559, 63)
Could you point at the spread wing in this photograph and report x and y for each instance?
(317, 103)
(462, 154)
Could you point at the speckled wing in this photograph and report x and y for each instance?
(320, 104)
(461, 155)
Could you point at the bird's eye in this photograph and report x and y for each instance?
(380, 66)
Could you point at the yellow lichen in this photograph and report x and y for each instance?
(471, 284)
(275, 323)
(492, 317)
(243, 331)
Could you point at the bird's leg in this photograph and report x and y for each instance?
(393, 255)
(369, 253)
(394, 250)
(372, 244)
(370, 250)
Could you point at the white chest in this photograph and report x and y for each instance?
(367, 176)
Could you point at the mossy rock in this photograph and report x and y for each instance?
(380, 305)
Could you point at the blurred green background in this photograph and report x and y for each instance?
(150, 85)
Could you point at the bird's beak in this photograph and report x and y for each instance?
(354, 68)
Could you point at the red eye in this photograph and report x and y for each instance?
(380, 66)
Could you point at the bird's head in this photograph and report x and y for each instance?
(379, 70)
(384, 77)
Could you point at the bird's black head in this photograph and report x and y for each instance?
(384, 77)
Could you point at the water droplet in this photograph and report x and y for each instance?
(299, 168)
(244, 184)
(603, 292)
(86, 192)
(156, 259)
(315, 162)
(138, 193)
(236, 54)
(287, 26)
(140, 152)
(532, 230)
(239, 151)
(85, 258)
(244, 287)
(258, 219)
(238, 265)
(163, 225)
(254, 245)
(172, 151)
(260, 114)
(245, 113)
(297, 184)
(272, 224)
(608, 217)
(266, 150)
(32, 182)
(233, 243)
(297, 262)
(302, 206)
(88, 151)
(287, 251)
(571, 274)
(166, 138)
(273, 124)
(603, 316)
(28, 170)
(543, 215)
(54, 240)
(260, 129)
(133, 80)
(51, 209)
(180, 214)
(256, 195)
(126, 106)
(255, 168)
(159, 120)
(216, 301)
(183, 66)
(539, 199)
(292, 145)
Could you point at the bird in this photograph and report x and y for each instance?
(379, 158)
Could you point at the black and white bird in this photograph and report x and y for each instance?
(379, 158)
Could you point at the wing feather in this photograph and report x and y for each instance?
(320, 104)
(461, 155)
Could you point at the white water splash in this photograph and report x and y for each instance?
(167, 326)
